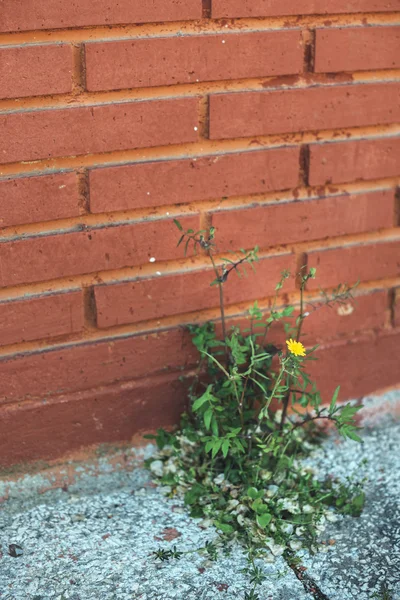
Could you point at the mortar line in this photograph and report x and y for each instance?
(391, 300)
(206, 5)
(305, 165)
(89, 307)
(181, 91)
(309, 38)
(229, 204)
(156, 326)
(242, 24)
(189, 150)
(397, 207)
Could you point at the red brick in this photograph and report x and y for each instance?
(360, 366)
(144, 299)
(31, 430)
(22, 15)
(43, 431)
(350, 161)
(364, 313)
(187, 59)
(36, 317)
(151, 184)
(102, 128)
(45, 257)
(328, 107)
(72, 368)
(35, 70)
(290, 222)
(266, 8)
(367, 312)
(352, 263)
(35, 199)
(357, 49)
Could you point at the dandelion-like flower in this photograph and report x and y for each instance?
(296, 348)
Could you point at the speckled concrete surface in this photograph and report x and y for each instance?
(366, 554)
(90, 544)
(94, 540)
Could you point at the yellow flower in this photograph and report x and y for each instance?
(296, 348)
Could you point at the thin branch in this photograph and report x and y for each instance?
(309, 419)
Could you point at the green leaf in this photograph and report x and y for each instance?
(193, 494)
(347, 412)
(214, 427)
(264, 520)
(238, 444)
(334, 399)
(224, 527)
(225, 448)
(259, 507)
(359, 501)
(206, 397)
(209, 445)
(207, 418)
(353, 436)
(216, 448)
(252, 493)
(200, 401)
(179, 226)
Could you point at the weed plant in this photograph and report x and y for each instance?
(253, 415)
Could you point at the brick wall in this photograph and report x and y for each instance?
(276, 121)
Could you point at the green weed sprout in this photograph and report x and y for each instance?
(252, 416)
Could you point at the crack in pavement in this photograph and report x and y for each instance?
(307, 581)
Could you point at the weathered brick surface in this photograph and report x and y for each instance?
(185, 292)
(289, 222)
(190, 59)
(37, 317)
(362, 262)
(356, 366)
(275, 122)
(266, 8)
(36, 199)
(179, 181)
(351, 161)
(35, 70)
(31, 431)
(328, 107)
(47, 257)
(103, 128)
(79, 367)
(20, 15)
(368, 312)
(357, 49)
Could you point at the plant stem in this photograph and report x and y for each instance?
(286, 401)
(221, 304)
(301, 319)
(301, 316)
(242, 401)
(277, 382)
(309, 419)
(268, 325)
